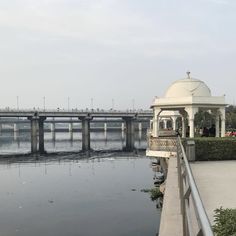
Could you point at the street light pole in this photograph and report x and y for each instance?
(68, 101)
(92, 103)
(112, 103)
(133, 101)
(44, 103)
(17, 102)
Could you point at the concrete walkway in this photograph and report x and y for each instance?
(171, 218)
(216, 182)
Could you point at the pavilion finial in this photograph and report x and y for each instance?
(188, 74)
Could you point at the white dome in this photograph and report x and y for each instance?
(188, 87)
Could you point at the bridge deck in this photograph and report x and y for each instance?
(216, 184)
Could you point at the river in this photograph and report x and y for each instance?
(71, 195)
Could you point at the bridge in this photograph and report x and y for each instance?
(38, 118)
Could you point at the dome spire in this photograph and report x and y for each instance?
(188, 74)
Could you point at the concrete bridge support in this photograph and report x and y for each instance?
(85, 133)
(122, 130)
(71, 131)
(70, 127)
(37, 134)
(105, 127)
(16, 128)
(53, 127)
(41, 134)
(130, 132)
(34, 135)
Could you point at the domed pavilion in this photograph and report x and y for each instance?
(183, 99)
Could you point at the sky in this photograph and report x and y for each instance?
(120, 53)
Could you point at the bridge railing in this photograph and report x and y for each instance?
(195, 220)
(9, 109)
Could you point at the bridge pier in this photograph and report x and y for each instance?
(71, 131)
(70, 127)
(34, 136)
(130, 132)
(37, 134)
(53, 127)
(41, 134)
(105, 127)
(16, 128)
(122, 130)
(85, 133)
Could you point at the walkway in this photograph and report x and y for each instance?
(171, 218)
(216, 184)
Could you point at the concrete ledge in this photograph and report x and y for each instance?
(171, 218)
(163, 154)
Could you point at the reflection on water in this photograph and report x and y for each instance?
(80, 197)
(19, 142)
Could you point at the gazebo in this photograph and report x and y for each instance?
(184, 98)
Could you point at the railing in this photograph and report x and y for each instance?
(192, 208)
(131, 111)
(162, 144)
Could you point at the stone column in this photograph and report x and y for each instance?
(191, 130)
(41, 134)
(174, 123)
(217, 125)
(85, 133)
(222, 127)
(156, 124)
(165, 123)
(191, 115)
(221, 112)
(130, 132)
(183, 127)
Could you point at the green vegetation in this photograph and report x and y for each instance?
(225, 222)
(211, 148)
(231, 117)
(155, 193)
(205, 119)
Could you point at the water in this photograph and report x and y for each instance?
(57, 196)
(11, 142)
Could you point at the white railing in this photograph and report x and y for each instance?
(195, 220)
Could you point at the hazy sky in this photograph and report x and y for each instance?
(126, 50)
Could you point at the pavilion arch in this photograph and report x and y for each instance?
(184, 98)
